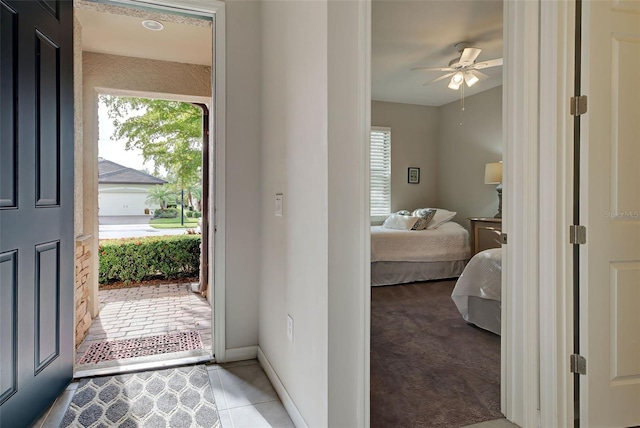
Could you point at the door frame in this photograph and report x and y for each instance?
(539, 43)
(556, 195)
(534, 357)
(214, 9)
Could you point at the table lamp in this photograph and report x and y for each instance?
(493, 175)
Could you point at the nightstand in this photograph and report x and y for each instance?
(485, 233)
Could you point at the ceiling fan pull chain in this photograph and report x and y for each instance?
(461, 104)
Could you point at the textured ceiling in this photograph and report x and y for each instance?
(408, 34)
(118, 34)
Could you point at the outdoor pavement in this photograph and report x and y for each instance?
(133, 226)
(149, 310)
(134, 231)
(124, 219)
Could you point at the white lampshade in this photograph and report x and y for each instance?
(493, 173)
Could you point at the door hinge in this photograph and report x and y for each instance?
(578, 105)
(578, 364)
(577, 234)
(503, 238)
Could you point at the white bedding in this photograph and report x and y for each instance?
(448, 242)
(481, 281)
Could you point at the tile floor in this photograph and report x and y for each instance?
(149, 310)
(243, 394)
(244, 397)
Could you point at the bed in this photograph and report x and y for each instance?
(402, 256)
(477, 293)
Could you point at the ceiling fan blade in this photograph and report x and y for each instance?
(438, 79)
(432, 68)
(486, 64)
(469, 55)
(480, 75)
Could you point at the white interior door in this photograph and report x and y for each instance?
(610, 195)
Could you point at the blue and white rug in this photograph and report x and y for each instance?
(178, 397)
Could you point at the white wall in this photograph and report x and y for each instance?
(463, 152)
(349, 249)
(243, 173)
(293, 277)
(414, 143)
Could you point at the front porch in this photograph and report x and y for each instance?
(144, 311)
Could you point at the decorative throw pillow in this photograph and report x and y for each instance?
(403, 212)
(421, 224)
(400, 222)
(425, 213)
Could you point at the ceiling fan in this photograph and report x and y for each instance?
(463, 69)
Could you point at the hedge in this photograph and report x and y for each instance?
(134, 259)
(165, 213)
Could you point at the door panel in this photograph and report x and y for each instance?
(8, 310)
(47, 138)
(8, 82)
(36, 207)
(611, 189)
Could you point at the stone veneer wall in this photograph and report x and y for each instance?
(82, 284)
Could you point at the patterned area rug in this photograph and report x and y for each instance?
(142, 346)
(179, 397)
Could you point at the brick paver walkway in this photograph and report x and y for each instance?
(150, 310)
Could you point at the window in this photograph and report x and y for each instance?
(380, 171)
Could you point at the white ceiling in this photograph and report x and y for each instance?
(408, 34)
(118, 34)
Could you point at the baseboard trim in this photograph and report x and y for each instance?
(240, 354)
(286, 399)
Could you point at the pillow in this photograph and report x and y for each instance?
(400, 222)
(425, 215)
(404, 212)
(421, 224)
(441, 217)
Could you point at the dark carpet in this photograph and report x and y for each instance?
(429, 368)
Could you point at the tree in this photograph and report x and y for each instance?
(167, 132)
(161, 195)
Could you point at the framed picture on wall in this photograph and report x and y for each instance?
(414, 175)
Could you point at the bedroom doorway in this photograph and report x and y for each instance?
(112, 69)
(438, 168)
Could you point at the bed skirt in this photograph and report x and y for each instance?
(390, 273)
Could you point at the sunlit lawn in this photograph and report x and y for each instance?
(173, 223)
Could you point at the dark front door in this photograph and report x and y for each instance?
(36, 206)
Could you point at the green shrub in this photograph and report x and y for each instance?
(188, 214)
(165, 213)
(134, 259)
(197, 214)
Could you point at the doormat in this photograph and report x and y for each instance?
(178, 397)
(142, 346)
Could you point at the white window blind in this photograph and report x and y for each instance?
(380, 171)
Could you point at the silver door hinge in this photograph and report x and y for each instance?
(503, 238)
(577, 234)
(578, 364)
(578, 105)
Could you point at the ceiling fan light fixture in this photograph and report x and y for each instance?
(470, 78)
(456, 81)
(152, 25)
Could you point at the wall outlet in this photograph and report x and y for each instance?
(279, 203)
(290, 328)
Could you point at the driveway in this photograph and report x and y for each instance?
(109, 231)
(124, 219)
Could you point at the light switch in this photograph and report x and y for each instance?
(279, 203)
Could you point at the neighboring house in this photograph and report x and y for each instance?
(123, 191)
